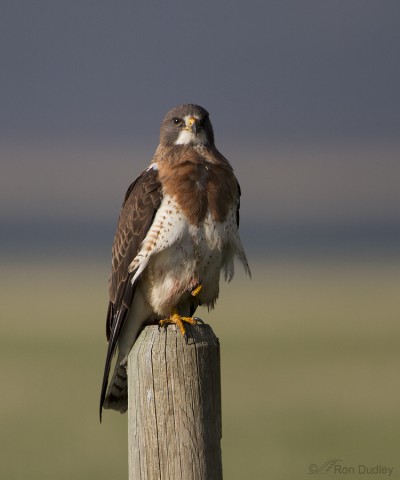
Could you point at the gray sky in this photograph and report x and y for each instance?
(304, 97)
(265, 69)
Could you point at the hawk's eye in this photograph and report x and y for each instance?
(177, 121)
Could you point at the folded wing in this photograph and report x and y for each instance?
(142, 200)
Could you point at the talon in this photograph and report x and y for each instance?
(179, 321)
(196, 291)
(160, 325)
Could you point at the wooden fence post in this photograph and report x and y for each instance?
(174, 405)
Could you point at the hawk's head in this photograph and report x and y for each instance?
(187, 125)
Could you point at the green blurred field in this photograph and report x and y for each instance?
(310, 369)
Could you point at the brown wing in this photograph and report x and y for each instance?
(141, 203)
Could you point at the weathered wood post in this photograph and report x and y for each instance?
(174, 406)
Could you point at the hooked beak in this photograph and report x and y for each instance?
(192, 125)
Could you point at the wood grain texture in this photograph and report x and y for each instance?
(174, 405)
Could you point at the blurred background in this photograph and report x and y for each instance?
(304, 99)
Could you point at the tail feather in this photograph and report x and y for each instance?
(117, 392)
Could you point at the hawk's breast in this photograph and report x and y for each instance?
(179, 255)
(200, 185)
(194, 233)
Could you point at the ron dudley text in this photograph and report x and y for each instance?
(363, 470)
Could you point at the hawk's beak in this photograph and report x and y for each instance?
(192, 124)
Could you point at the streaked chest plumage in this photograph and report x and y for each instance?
(194, 233)
(180, 255)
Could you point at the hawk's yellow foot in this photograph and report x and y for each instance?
(196, 290)
(179, 321)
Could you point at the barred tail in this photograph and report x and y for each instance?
(117, 392)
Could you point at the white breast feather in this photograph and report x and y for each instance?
(168, 226)
(182, 255)
(186, 137)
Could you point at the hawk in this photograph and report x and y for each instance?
(177, 230)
